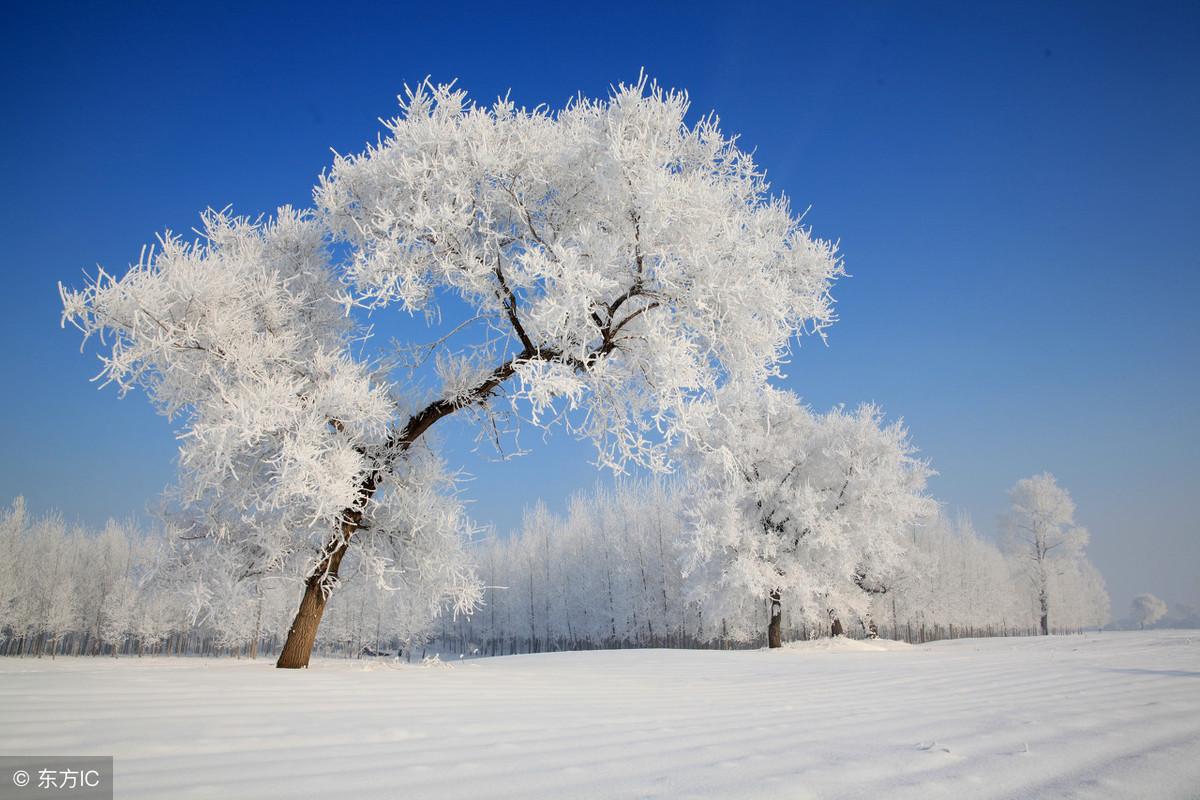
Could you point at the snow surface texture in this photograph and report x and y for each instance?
(1101, 715)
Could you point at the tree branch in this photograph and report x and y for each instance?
(509, 301)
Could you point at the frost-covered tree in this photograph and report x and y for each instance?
(1042, 532)
(601, 266)
(1147, 609)
(157, 616)
(799, 505)
(12, 525)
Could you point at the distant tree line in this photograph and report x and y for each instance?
(608, 573)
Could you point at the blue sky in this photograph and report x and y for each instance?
(1016, 189)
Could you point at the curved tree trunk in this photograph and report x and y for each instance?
(775, 627)
(303, 633)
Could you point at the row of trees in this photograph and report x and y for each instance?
(66, 590)
(612, 572)
(617, 570)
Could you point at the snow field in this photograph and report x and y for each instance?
(1113, 715)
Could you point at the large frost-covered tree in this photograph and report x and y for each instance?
(602, 266)
(791, 504)
(1042, 532)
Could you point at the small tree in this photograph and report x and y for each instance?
(1043, 534)
(1148, 609)
(602, 266)
(797, 505)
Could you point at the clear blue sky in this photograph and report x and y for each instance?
(1016, 189)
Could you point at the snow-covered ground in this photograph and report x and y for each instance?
(1101, 715)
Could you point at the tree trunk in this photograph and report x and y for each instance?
(836, 628)
(303, 633)
(775, 627)
(1045, 603)
(257, 626)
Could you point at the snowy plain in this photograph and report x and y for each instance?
(1113, 715)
